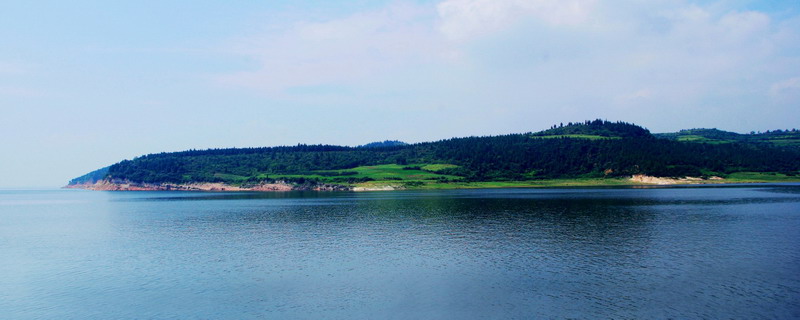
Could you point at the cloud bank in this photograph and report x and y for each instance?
(635, 60)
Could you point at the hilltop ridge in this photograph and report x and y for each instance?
(383, 144)
(597, 128)
(777, 138)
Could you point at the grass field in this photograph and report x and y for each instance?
(385, 172)
(230, 177)
(754, 177)
(580, 182)
(395, 171)
(788, 142)
(425, 176)
(788, 139)
(741, 177)
(528, 184)
(696, 138)
(438, 167)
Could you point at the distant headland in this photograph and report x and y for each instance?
(585, 153)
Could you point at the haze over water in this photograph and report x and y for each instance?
(701, 252)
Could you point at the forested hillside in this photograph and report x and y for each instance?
(383, 144)
(588, 149)
(91, 177)
(775, 138)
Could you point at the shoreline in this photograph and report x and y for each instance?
(105, 185)
(636, 180)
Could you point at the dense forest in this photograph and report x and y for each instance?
(586, 149)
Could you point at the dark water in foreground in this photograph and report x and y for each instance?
(710, 252)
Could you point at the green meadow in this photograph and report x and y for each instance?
(763, 177)
(698, 138)
(386, 172)
(740, 177)
(429, 176)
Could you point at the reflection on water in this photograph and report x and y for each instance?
(708, 252)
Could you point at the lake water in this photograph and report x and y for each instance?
(700, 252)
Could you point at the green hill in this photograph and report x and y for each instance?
(776, 138)
(383, 144)
(587, 150)
(597, 129)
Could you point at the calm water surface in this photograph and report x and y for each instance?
(705, 252)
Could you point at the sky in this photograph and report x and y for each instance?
(85, 84)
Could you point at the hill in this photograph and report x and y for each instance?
(587, 150)
(383, 144)
(596, 129)
(776, 138)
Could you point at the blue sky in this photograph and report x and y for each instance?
(84, 84)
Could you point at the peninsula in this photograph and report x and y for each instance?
(574, 154)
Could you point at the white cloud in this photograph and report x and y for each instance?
(637, 96)
(338, 51)
(788, 84)
(744, 24)
(465, 19)
(697, 27)
(17, 91)
(13, 68)
(10, 84)
(787, 87)
(545, 59)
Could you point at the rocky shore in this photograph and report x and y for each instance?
(113, 185)
(640, 178)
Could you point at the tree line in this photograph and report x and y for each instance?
(506, 157)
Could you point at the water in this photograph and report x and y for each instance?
(707, 252)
